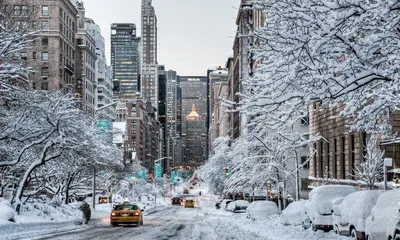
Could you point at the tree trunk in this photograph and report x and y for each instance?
(67, 186)
(32, 167)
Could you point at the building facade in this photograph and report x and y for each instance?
(171, 116)
(162, 115)
(193, 91)
(53, 57)
(233, 88)
(104, 93)
(149, 76)
(86, 83)
(248, 20)
(125, 60)
(144, 132)
(194, 147)
(219, 122)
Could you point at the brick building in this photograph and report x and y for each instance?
(144, 132)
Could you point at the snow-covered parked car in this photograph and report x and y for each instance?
(292, 214)
(225, 203)
(381, 224)
(238, 206)
(350, 216)
(317, 212)
(261, 209)
(6, 211)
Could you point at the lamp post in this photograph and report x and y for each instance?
(154, 176)
(94, 167)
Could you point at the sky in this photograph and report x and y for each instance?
(193, 35)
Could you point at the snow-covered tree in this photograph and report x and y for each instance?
(329, 52)
(371, 169)
(16, 38)
(46, 138)
(213, 170)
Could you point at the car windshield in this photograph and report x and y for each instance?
(126, 207)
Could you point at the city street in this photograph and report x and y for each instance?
(177, 222)
(170, 222)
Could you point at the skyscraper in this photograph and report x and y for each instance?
(149, 77)
(194, 91)
(125, 59)
(104, 94)
(171, 116)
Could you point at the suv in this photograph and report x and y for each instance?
(318, 210)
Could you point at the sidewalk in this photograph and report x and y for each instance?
(29, 227)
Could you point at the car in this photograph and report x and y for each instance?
(350, 215)
(225, 203)
(261, 209)
(189, 203)
(238, 206)
(292, 214)
(317, 212)
(382, 223)
(185, 191)
(186, 196)
(176, 201)
(103, 199)
(126, 213)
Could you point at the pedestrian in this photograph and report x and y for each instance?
(200, 193)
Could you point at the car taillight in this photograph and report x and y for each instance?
(136, 213)
(113, 214)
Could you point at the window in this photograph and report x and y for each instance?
(34, 25)
(45, 56)
(34, 8)
(304, 184)
(45, 71)
(45, 24)
(24, 10)
(45, 42)
(45, 86)
(304, 160)
(45, 10)
(34, 55)
(33, 85)
(17, 10)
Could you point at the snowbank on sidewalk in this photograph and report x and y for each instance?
(7, 213)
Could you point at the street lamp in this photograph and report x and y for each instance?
(94, 167)
(155, 177)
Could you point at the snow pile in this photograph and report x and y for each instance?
(48, 212)
(7, 213)
(261, 209)
(355, 208)
(292, 214)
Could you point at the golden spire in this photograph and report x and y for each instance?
(193, 114)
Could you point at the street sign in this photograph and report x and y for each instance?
(143, 175)
(158, 170)
(388, 162)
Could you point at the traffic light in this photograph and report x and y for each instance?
(226, 172)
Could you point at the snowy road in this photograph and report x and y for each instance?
(178, 223)
(171, 222)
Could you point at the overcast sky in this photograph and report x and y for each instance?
(193, 35)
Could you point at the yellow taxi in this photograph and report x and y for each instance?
(103, 199)
(189, 203)
(126, 213)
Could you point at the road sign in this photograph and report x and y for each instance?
(158, 170)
